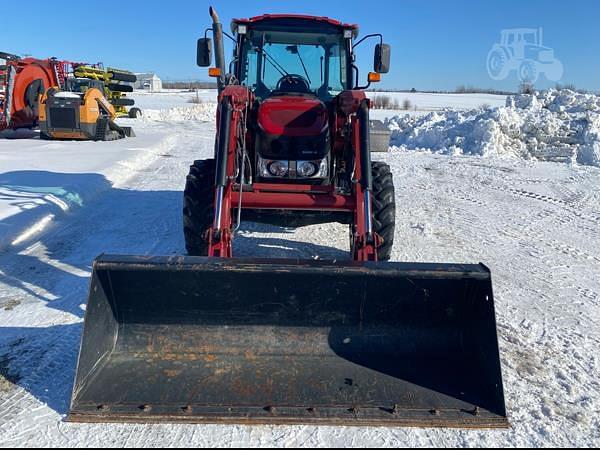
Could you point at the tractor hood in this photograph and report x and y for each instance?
(293, 116)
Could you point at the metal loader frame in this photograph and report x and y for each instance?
(229, 195)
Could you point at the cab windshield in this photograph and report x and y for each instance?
(283, 62)
(530, 38)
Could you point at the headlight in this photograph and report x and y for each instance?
(268, 168)
(278, 168)
(306, 169)
(312, 169)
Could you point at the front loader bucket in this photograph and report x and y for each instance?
(201, 340)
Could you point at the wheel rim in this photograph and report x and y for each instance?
(496, 65)
(528, 74)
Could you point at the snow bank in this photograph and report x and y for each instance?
(203, 112)
(560, 126)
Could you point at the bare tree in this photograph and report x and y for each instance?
(527, 88)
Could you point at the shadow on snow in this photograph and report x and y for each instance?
(92, 218)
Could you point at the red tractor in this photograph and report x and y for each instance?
(212, 338)
(293, 142)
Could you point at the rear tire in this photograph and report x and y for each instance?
(384, 208)
(135, 113)
(198, 206)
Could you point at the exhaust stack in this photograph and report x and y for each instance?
(219, 51)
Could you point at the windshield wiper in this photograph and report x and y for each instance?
(273, 62)
(296, 50)
(304, 67)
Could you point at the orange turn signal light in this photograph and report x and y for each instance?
(214, 72)
(374, 77)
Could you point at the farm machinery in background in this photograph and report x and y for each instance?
(117, 84)
(79, 112)
(25, 81)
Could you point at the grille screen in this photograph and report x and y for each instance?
(63, 118)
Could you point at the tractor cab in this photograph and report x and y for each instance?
(277, 54)
(525, 36)
(295, 67)
(294, 55)
(527, 43)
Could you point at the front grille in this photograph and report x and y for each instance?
(63, 118)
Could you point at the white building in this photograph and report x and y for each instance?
(148, 81)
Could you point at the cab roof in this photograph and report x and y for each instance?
(266, 18)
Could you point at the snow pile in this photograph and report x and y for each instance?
(556, 125)
(203, 112)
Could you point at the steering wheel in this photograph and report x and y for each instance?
(293, 83)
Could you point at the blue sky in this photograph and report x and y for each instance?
(436, 44)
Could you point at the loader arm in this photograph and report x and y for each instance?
(366, 240)
(234, 104)
(98, 97)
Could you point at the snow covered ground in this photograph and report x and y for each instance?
(421, 103)
(171, 98)
(536, 224)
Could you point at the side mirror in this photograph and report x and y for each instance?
(383, 53)
(204, 57)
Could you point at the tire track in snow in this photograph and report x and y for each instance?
(471, 204)
(461, 218)
(554, 201)
(526, 229)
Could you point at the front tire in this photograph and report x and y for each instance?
(198, 206)
(384, 208)
(135, 113)
(528, 72)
